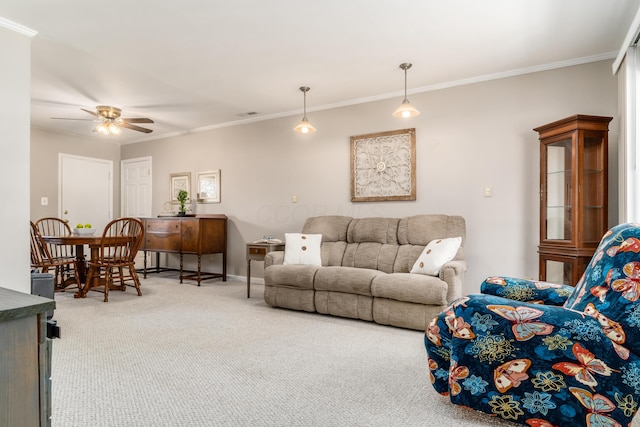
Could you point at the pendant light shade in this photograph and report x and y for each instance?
(304, 126)
(405, 109)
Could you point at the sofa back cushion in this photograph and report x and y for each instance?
(415, 232)
(334, 236)
(385, 244)
(372, 243)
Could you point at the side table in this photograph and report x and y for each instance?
(257, 252)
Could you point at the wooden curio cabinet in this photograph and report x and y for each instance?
(573, 195)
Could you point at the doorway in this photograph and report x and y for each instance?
(136, 187)
(86, 190)
(135, 190)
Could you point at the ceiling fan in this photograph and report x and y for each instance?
(111, 122)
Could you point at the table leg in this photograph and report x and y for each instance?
(180, 267)
(82, 273)
(248, 278)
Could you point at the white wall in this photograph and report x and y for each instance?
(468, 137)
(15, 88)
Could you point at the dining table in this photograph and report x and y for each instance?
(79, 241)
(94, 243)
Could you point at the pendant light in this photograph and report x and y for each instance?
(405, 109)
(304, 126)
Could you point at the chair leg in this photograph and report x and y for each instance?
(107, 283)
(136, 279)
(76, 277)
(123, 287)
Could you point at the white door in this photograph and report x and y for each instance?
(86, 190)
(135, 188)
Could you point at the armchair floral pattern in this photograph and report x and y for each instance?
(542, 354)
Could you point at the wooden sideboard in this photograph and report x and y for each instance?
(25, 365)
(198, 235)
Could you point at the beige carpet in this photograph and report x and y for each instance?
(186, 356)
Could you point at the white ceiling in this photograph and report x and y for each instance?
(197, 64)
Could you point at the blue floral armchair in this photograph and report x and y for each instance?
(542, 354)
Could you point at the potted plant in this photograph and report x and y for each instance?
(182, 198)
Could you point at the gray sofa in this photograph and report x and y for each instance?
(365, 272)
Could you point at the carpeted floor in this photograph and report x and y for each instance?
(182, 355)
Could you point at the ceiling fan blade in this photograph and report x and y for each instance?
(68, 118)
(93, 113)
(138, 120)
(134, 127)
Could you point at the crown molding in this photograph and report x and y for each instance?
(430, 88)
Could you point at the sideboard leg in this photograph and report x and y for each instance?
(199, 266)
(181, 267)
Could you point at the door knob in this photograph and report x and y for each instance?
(66, 212)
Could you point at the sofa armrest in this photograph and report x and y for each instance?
(274, 258)
(452, 273)
(526, 290)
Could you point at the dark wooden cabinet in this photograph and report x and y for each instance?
(25, 363)
(199, 235)
(573, 195)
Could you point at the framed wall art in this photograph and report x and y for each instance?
(383, 166)
(180, 181)
(209, 187)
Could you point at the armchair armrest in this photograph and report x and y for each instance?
(526, 290)
(452, 273)
(273, 258)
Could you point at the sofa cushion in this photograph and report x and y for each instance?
(345, 279)
(332, 227)
(415, 288)
(437, 253)
(376, 256)
(334, 236)
(302, 248)
(378, 230)
(292, 276)
(415, 232)
(421, 229)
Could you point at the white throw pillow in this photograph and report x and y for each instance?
(302, 249)
(435, 255)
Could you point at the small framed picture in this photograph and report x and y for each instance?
(180, 181)
(209, 187)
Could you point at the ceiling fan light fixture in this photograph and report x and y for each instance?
(110, 122)
(103, 129)
(108, 127)
(114, 129)
(304, 126)
(405, 110)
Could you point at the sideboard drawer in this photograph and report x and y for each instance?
(162, 235)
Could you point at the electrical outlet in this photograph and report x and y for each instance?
(488, 191)
(294, 198)
(44, 201)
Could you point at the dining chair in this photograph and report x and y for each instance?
(51, 226)
(65, 266)
(119, 244)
